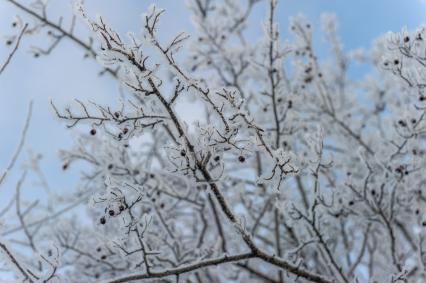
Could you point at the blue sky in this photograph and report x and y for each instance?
(64, 74)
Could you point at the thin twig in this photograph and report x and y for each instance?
(9, 58)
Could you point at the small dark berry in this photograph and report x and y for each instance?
(424, 223)
(241, 158)
(136, 172)
(93, 132)
(151, 175)
(14, 24)
(125, 130)
(102, 220)
(49, 253)
(182, 152)
(111, 212)
(413, 121)
(121, 207)
(103, 257)
(153, 199)
(351, 202)
(117, 114)
(110, 166)
(373, 192)
(406, 39)
(402, 123)
(417, 211)
(289, 104)
(65, 166)
(308, 79)
(9, 42)
(396, 62)
(162, 205)
(36, 55)
(217, 158)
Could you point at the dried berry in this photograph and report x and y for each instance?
(93, 132)
(111, 212)
(241, 158)
(102, 220)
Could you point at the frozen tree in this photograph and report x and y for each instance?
(295, 172)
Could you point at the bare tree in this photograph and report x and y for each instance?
(296, 172)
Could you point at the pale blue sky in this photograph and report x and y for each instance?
(65, 75)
